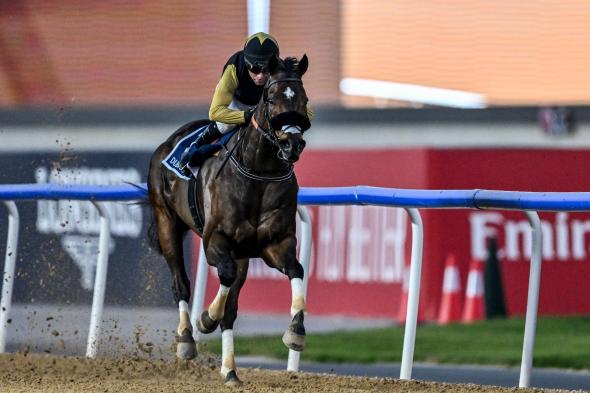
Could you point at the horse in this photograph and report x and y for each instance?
(242, 209)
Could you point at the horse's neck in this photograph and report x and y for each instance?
(258, 154)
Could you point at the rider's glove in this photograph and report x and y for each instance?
(248, 115)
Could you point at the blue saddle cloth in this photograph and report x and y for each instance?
(172, 160)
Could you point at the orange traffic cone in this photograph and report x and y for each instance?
(474, 299)
(403, 305)
(451, 300)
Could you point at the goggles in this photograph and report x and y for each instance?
(257, 68)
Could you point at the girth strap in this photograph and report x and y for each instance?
(193, 204)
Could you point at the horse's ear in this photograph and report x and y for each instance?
(273, 63)
(302, 66)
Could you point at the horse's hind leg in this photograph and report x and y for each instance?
(282, 256)
(218, 254)
(171, 231)
(228, 364)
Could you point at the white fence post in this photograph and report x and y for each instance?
(304, 257)
(199, 291)
(530, 325)
(413, 294)
(9, 267)
(100, 280)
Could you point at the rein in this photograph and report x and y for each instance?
(245, 171)
(266, 134)
(228, 154)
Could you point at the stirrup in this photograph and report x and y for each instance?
(186, 170)
(186, 158)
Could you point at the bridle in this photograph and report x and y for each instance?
(269, 134)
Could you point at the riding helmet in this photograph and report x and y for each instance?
(259, 49)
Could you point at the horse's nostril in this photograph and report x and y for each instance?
(285, 144)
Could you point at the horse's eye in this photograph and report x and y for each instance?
(271, 102)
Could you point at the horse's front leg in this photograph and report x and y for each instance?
(282, 256)
(228, 364)
(219, 255)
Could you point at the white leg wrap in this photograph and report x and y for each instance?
(223, 290)
(184, 322)
(297, 298)
(217, 307)
(227, 352)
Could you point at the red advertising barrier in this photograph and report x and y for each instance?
(359, 253)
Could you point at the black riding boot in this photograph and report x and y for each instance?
(190, 155)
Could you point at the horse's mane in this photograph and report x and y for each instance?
(289, 65)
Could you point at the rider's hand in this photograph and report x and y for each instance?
(248, 115)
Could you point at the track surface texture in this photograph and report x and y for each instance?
(49, 373)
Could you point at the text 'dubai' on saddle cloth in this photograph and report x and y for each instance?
(172, 160)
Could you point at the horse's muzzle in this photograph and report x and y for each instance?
(291, 148)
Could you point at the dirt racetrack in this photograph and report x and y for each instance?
(47, 373)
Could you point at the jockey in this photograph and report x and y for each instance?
(237, 93)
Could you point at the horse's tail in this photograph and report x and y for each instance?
(152, 231)
(152, 234)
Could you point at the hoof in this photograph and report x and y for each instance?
(294, 337)
(232, 380)
(205, 324)
(294, 341)
(186, 349)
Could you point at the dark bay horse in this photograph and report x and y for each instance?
(247, 200)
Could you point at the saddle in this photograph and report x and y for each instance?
(172, 160)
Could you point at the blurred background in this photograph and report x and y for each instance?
(406, 94)
(81, 54)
